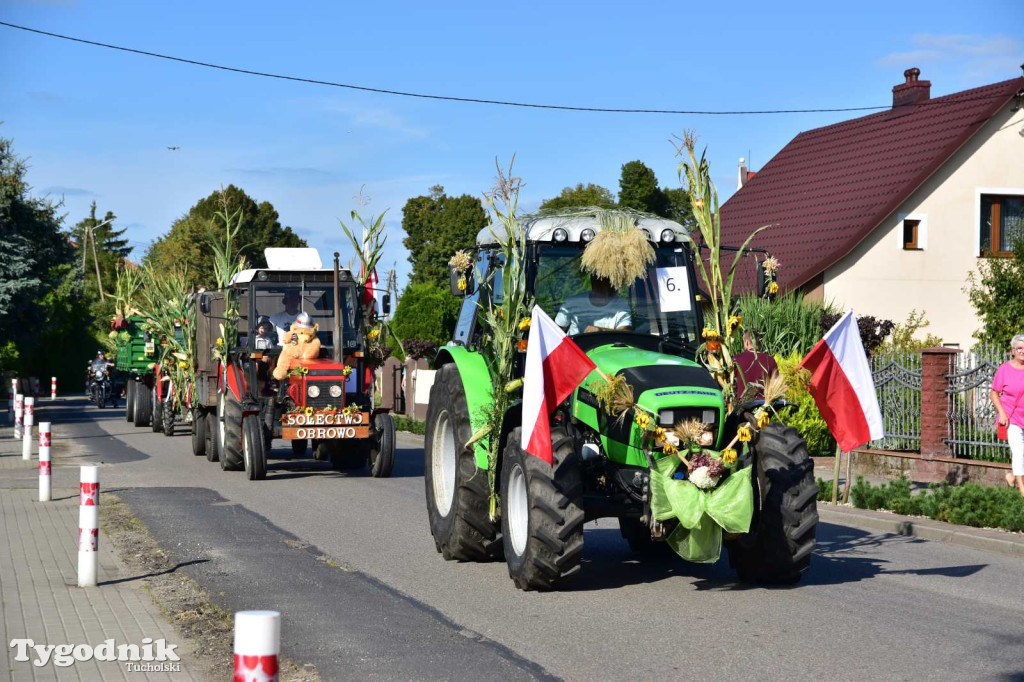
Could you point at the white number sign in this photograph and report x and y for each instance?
(673, 289)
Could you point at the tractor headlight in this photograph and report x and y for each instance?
(668, 235)
(560, 235)
(313, 391)
(335, 391)
(586, 235)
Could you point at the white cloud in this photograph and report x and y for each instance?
(971, 57)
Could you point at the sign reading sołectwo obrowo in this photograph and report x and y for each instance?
(325, 425)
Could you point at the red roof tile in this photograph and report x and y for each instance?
(830, 187)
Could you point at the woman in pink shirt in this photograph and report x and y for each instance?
(1008, 397)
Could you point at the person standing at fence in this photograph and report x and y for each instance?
(754, 367)
(1008, 397)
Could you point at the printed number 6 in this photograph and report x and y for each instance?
(669, 284)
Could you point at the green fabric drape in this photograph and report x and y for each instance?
(703, 515)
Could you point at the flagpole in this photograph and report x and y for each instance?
(846, 484)
(835, 475)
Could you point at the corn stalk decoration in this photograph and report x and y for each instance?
(227, 262)
(722, 323)
(163, 301)
(505, 321)
(369, 250)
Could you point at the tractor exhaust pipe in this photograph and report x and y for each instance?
(338, 341)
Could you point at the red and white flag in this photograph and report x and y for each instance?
(842, 386)
(555, 366)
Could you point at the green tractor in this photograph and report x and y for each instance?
(136, 354)
(488, 501)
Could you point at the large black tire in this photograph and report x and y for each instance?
(229, 432)
(129, 401)
(143, 413)
(382, 450)
(158, 411)
(542, 513)
(199, 437)
(253, 452)
(167, 415)
(457, 491)
(299, 448)
(778, 549)
(212, 447)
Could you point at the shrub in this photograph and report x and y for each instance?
(786, 325)
(872, 330)
(419, 348)
(803, 415)
(996, 292)
(426, 312)
(970, 504)
(824, 490)
(903, 339)
(409, 424)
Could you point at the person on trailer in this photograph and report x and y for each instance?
(599, 310)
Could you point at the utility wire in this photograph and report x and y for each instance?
(471, 100)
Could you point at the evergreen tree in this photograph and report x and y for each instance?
(436, 226)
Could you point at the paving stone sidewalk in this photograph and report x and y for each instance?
(39, 596)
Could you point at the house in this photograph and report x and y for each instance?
(889, 212)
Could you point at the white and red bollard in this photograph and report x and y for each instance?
(88, 526)
(29, 421)
(12, 390)
(44, 461)
(257, 644)
(53, 388)
(19, 406)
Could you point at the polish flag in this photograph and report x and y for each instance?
(555, 366)
(842, 386)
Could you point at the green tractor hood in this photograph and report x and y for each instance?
(674, 388)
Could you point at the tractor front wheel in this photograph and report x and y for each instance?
(212, 429)
(158, 411)
(778, 549)
(542, 513)
(143, 412)
(457, 490)
(198, 432)
(229, 432)
(253, 451)
(129, 401)
(382, 449)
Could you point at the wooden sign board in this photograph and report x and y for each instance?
(299, 426)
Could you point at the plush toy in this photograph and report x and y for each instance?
(300, 343)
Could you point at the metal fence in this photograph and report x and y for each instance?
(970, 414)
(897, 377)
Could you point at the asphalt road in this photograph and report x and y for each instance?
(350, 562)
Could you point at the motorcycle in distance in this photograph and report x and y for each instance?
(100, 386)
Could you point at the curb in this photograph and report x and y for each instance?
(998, 542)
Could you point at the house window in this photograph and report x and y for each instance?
(1001, 223)
(911, 234)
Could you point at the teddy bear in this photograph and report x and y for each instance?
(300, 343)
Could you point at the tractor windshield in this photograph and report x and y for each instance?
(661, 303)
(277, 304)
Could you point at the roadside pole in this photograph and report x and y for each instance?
(257, 644)
(44, 461)
(53, 388)
(19, 405)
(30, 418)
(88, 526)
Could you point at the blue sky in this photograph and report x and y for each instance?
(95, 124)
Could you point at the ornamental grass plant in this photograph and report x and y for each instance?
(787, 325)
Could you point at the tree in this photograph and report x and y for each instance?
(436, 226)
(111, 249)
(580, 196)
(638, 189)
(426, 312)
(996, 291)
(678, 207)
(186, 243)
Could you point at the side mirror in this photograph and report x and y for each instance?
(385, 304)
(456, 277)
(204, 303)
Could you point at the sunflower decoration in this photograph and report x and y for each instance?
(773, 288)
(744, 433)
(346, 371)
(620, 252)
(524, 324)
(308, 411)
(350, 410)
(643, 420)
(373, 334)
(762, 418)
(734, 323)
(712, 339)
(729, 456)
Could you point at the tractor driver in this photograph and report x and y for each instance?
(283, 320)
(597, 310)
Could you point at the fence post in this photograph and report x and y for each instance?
(935, 364)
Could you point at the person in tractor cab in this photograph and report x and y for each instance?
(598, 310)
(283, 320)
(266, 335)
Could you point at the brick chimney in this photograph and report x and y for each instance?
(912, 90)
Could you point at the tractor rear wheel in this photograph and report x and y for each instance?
(129, 401)
(253, 452)
(382, 449)
(158, 412)
(212, 428)
(457, 490)
(542, 513)
(778, 549)
(143, 412)
(229, 432)
(198, 432)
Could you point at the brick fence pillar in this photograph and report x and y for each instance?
(935, 401)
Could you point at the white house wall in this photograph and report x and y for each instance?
(879, 278)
